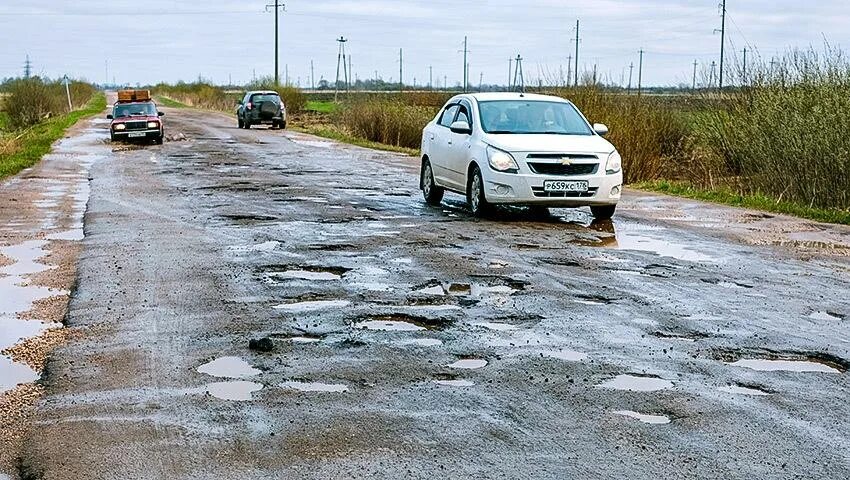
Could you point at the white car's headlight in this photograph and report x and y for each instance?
(120, 126)
(614, 163)
(501, 161)
(153, 124)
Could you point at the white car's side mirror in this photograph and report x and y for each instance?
(461, 127)
(600, 129)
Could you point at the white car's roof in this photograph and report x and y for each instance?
(484, 97)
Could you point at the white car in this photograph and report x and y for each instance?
(519, 149)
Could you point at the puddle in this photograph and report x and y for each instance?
(310, 273)
(399, 322)
(460, 289)
(627, 239)
(455, 383)
(799, 366)
(645, 418)
(435, 290)
(589, 302)
(25, 255)
(566, 355)
(14, 374)
(314, 143)
(305, 339)
(469, 364)
(315, 387)
(740, 390)
(826, 316)
(238, 391)
(635, 383)
(421, 342)
(312, 306)
(229, 367)
(13, 330)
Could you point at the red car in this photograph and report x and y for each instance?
(135, 117)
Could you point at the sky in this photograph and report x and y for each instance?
(232, 40)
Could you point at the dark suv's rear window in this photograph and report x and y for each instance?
(262, 97)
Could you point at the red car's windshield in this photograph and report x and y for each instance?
(132, 109)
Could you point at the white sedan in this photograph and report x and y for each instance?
(519, 149)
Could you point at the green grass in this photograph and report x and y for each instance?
(334, 134)
(4, 120)
(756, 202)
(167, 102)
(321, 107)
(37, 140)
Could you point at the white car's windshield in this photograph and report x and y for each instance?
(532, 117)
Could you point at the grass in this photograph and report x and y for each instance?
(321, 107)
(28, 146)
(726, 196)
(332, 133)
(167, 102)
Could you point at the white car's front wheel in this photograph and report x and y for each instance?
(475, 194)
(603, 212)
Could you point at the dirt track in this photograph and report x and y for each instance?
(565, 330)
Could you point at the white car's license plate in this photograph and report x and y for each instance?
(136, 134)
(565, 186)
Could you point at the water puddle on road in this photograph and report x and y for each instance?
(228, 367)
(645, 418)
(25, 255)
(741, 390)
(13, 374)
(566, 355)
(455, 383)
(314, 274)
(468, 364)
(74, 235)
(389, 326)
(799, 366)
(314, 387)
(628, 238)
(399, 322)
(312, 306)
(636, 383)
(238, 391)
(826, 316)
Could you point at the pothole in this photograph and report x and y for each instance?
(497, 327)
(644, 417)
(457, 383)
(238, 391)
(688, 336)
(229, 367)
(400, 322)
(592, 299)
(314, 387)
(468, 364)
(565, 355)
(765, 360)
(304, 272)
(637, 383)
(249, 218)
(750, 390)
(826, 316)
(311, 306)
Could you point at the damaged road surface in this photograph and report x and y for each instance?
(396, 340)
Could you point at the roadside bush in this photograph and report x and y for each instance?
(785, 136)
(647, 131)
(390, 121)
(30, 101)
(198, 94)
(293, 98)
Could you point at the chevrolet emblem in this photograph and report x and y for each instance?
(566, 161)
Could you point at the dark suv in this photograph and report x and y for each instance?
(261, 108)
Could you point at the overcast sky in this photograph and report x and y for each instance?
(169, 40)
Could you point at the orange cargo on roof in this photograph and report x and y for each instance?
(134, 95)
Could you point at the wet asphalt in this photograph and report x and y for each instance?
(411, 342)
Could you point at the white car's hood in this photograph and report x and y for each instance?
(550, 143)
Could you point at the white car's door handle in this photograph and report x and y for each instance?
(450, 142)
(432, 137)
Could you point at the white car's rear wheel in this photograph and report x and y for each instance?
(476, 196)
(432, 193)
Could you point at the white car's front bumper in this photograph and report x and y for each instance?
(527, 189)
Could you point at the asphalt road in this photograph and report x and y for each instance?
(658, 345)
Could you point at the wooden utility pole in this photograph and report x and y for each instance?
(640, 73)
(578, 39)
(694, 87)
(722, 41)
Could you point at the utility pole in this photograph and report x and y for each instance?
(340, 58)
(350, 75)
(510, 72)
(277, 6)
(640, 73)
(430, 77)
(312, 76)
(631, 72)
(569, 69)
(519, 80)
(465, 64)
(722, 40)
(445, 82)
(481, 82)
(400, 70)
(711, 75)
(594, 73)
(68, 93)
(578, 39)
(27, 68)
(286, 75)
(694, 87)
(744, 81)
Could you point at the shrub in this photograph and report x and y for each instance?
(390, 121)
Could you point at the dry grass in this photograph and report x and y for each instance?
(31, 101)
